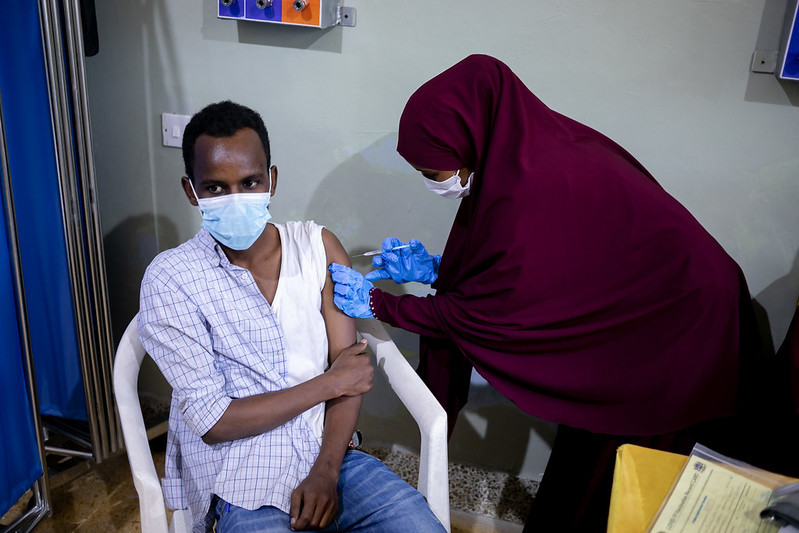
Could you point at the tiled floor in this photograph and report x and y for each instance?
(104, 499)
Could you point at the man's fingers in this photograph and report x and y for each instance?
(359, 348)
(295, 507)
(306, 517)
(329, 514)
(318, 516)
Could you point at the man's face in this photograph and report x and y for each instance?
(230, 165)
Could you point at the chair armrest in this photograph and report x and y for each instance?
(426, 411)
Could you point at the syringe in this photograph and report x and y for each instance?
(378, 252)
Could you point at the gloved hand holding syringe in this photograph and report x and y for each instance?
(403, 262)
(399, 261)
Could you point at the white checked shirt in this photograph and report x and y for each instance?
(214, 336)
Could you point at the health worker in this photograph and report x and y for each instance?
(571, 281)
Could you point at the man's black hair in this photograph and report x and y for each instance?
(222, 119)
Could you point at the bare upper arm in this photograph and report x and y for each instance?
(340, 328)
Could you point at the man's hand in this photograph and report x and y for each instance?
(352, 372)
(314, 502)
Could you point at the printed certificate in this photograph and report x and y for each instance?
(708, 497)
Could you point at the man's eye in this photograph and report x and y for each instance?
(250, 184)
(214, 189)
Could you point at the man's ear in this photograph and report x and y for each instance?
(184, 181)
(273, 178)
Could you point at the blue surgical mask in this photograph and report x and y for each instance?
(235, 220)
(450, 187)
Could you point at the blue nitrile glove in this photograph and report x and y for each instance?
(351, 291)
(408, 264)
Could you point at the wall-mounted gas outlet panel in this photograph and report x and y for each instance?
(309, 13)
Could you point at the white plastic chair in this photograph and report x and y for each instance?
(431, 418)
(433, 480)
(152, 509)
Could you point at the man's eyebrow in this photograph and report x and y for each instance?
(255, 175)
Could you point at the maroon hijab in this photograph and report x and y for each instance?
(571, 280)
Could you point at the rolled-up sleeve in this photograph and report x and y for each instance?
(173, 331)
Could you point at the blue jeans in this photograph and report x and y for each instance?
(371, 498)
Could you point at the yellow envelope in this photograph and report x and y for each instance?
(642, 478)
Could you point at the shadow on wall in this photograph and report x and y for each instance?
(492, 433)
(129, 249)
(150, 48)
(375, 194)
(492, 429)
(781, 297)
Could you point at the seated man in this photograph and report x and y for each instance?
(241, 321)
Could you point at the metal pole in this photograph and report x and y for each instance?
(41, 489)
(94, 380)
(94, 245)
(60, 113)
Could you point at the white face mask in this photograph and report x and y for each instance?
(450, 187)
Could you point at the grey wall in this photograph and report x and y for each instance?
(670, 81)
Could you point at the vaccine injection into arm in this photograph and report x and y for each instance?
(411, 262)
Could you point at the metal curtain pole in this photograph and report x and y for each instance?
(72, 135)
(103, 337)
(62, 135)
(96, 375)
(41, 488)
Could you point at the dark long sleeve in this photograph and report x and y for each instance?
(412, 313)
(442, 365)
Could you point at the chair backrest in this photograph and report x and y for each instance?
(433, 480)
(129, 356)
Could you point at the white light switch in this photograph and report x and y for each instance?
(172, 127)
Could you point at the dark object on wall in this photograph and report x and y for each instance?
(88, 17)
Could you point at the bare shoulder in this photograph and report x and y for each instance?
(334, 249)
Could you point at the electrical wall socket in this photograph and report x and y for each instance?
(172, 127)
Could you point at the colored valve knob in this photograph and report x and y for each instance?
(263, 4)
(299, 5)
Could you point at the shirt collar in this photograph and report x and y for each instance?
(212, 248)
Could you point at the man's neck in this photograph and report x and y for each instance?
(264, 248)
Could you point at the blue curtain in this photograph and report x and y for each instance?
(19, 461)
(23, 89)
(791, 69)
